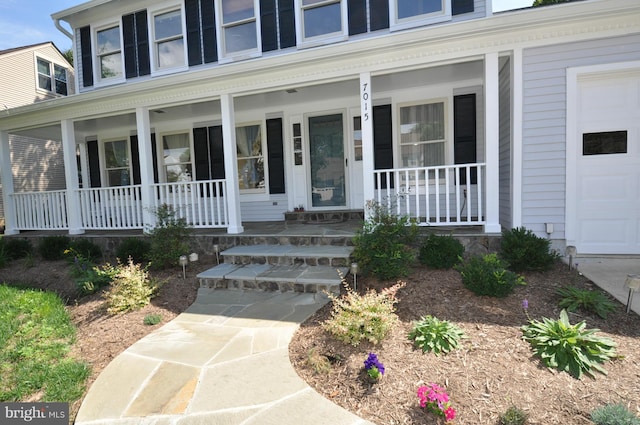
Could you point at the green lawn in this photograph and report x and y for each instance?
(36, 334)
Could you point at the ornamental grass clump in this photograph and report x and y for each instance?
(614, 414)
(438, 336)
(369, 317)
(569, 348)
(586, 300)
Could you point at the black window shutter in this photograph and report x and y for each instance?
(357, 16)
(194, 45)
(135, 160)
(464, 133)
(94, 163)
(269, 25)
(382, 140)
(216, 152)
(275, 154)
(287, 26)
(130, 46)
(461, 6)
(86, 56)
(154, 156)
(379, 14)
(142, 37)
(201, 153)
(209, 42)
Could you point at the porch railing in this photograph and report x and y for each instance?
(434, 196)
(200, 203)
(41, 210)
(111, 207)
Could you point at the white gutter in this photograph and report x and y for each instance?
(62, 29)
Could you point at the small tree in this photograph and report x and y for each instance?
(169, 238)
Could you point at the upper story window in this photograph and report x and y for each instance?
(116, 158)
(109, 53)
(239, 27)
(321, 21)
(411, 13)
(51, 77)
(423, 134)
(169, 50)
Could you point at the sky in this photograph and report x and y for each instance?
(25, 22)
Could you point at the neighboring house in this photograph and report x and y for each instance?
(234, 111)
(32, 74)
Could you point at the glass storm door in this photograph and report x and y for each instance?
(326, 151)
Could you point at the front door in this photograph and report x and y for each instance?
(327, 161)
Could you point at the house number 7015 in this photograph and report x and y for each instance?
(365, 101)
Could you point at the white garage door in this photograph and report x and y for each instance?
(608, 165)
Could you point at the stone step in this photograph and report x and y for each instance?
(283, 278)
(317, 255)
(293, 238)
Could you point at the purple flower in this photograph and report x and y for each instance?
(525, 304)
(373, 366)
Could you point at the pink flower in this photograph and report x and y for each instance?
(449, 413)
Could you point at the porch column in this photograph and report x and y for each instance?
(147, 191)
(366, 114)
(492, 141)
(6, 178)
(232, 195)
(84, 165)
(74, 216)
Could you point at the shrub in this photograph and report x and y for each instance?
(4, 255)
(131, 289)
(52, 248)
(383, 247)
(569, 348)
(523, 250)
(432, 334)
(488, 275)
(152, 319)
(513, 416)
(318, 362)
(614, 414)
(169, 238)
(369, 317)
(136, 248)
(441, 252)
(17, 248)
(591, 301)
(87, 249)
(95, 278)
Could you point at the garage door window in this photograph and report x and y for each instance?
(604, 143)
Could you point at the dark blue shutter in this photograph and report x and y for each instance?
(130, 45)
(379, 14)
(287, 23)
(94, 163)
(216, 152)
(209, 40)
(201, 153)
(86, 56)
(142, 39)
(382, 141)
(357, 16)
(268, 25)
(135, 159)
(461, 6)
(464, 134)
(275, 154)
(154, 156)
(194, 45)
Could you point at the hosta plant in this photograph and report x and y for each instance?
(584, 299)
(569, 348)
(433, 334)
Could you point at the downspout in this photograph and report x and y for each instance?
(63, 30)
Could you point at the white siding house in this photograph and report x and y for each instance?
(32, 74)
(237, 111)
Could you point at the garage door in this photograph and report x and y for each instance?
(608, 165)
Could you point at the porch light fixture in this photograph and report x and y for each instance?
(183, 260)
(216, 250)
(633, 283)
(570, 251)
(354, 272)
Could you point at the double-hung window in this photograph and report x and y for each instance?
(423, 134)
(116, 159)
(322, 21)
(51, 77)
(239, 28)
(109, 53)
(251, 175)
(410, 13)
(176, 151)
(169, 49)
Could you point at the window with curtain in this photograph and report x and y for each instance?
(422, 135)
(116, 159)
(109, 52)
(250, 158)
(239, 26)
(168, 39)
(176, 153)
